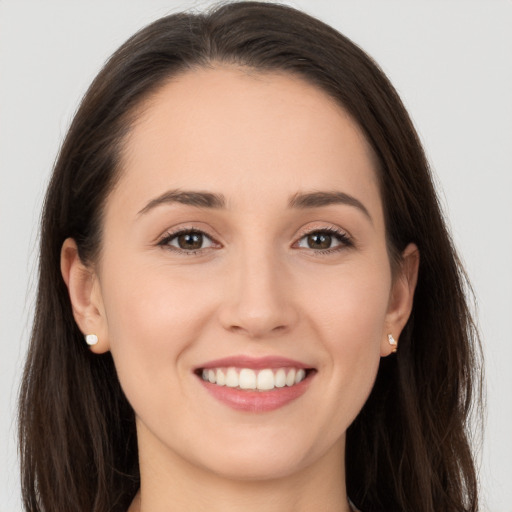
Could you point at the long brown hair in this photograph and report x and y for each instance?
(408, 450)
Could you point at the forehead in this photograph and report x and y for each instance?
(240, 132)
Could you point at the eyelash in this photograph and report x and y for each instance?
(345, 241)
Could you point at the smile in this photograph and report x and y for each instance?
(264, 379)
(255, 385)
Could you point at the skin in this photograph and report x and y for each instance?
(258, 288)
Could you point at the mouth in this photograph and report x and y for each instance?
(255, 385)
(265, 379)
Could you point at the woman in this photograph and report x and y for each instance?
(248, 297)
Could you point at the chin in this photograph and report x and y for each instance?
(260, 459)
(261, 467)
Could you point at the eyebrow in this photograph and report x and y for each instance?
(319, 199)
(218, 201)
(191, 198)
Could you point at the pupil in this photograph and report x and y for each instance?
(190, 241)
(319, 241)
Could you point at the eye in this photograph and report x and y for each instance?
(188, 241)
(325, 240)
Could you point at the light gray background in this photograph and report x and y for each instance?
(450, 60)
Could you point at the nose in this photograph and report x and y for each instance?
(257, 300)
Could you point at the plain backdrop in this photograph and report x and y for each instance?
(450, 60)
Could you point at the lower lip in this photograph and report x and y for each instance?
(257, 401)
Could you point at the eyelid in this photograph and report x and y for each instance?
(332, 228)
(165, 238)
(344, 238)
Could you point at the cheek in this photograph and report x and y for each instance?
(152, 321)
(350, 306)
(348, 317)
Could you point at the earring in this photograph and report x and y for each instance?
(393, 343)
(91, 339)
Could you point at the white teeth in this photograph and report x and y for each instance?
(246, 378)
(290, 378)
(280, 378)
(265, 380)
(232, 378)
(221, 378)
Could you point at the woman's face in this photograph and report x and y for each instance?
(245, 244)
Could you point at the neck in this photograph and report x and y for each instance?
(170, 483)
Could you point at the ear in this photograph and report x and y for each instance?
(401, 297)
(85, 295)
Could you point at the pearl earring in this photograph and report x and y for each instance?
(91, 339)
(393, 343)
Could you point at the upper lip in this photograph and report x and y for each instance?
(255, 363)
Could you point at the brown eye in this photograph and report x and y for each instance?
(326, 240)
(319, 241)
(190, 241)
(187, 241)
